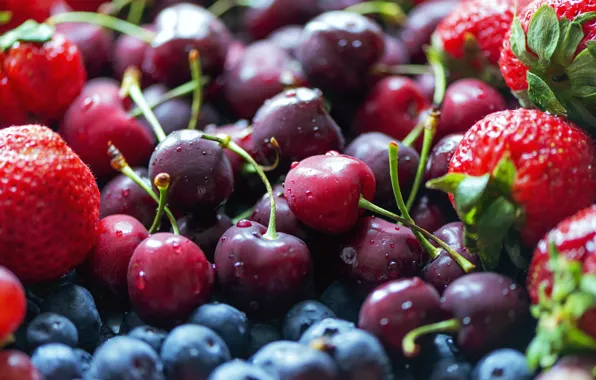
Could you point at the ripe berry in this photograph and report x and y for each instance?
(15, 365)
(12, 302)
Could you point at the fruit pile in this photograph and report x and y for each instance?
(297, 190)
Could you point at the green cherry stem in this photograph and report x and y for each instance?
(466, 265)
(131, 87)
(401, 205)
(220, 7)
(195, 70)
(414, 134)
(177, 92)
(440, 75)
(135, 12)
(389, 11)
(106, 21)
(409, 345)
(400, 69)
(162, 182)
(119, 163)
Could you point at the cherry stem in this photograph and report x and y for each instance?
(135, 12)
(119, 163)
(466, 265)
(195, 69)
(409, 345)
(227, 142)
(414, 134)
(440, 75)
(399, 199)
(220, 7)
(5, 17)
(250, 169)
(243, 215)
(162, 182)
(380, 68)
(430, 127)
(177, 92)
(106, 21)
(388, 10)
(131, 87)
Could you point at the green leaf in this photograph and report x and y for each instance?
(542, 96)
(591, 46)
(582, 71)
(518, 44)
(579, 340)
(513, 249)
(563, 28)
(583, 91)
(447, 183)
(504, 174)
(469, 192)
(588, 284)
(489, 255)
(30, 31)
(543, 32)
(569, 42)
(496, 221)
(585, 17)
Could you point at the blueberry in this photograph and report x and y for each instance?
(293, 361)
(77, 304)
(57, 361)
(51, 328)
(435, 349)
(504, 364)
(150, 335)
(451, 369)
(302, 316)
(327, 328)
(239, 370)
(124, 358)
(341, 300)
(105, 333)
(192, 352)
(229, 323)
(84, 359)
(259, 336)
(130, 320)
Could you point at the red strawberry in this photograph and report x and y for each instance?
(21, 11)
(42, 72)
(470, 38)
(546, 58)
(49, 204)
(520, 171)
(562, 286)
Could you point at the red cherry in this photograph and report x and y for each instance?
(15, 365)
(12, 303)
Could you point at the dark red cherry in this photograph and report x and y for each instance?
(428, 214)
(440, 156)
(85, 5)
(16, 365)
(179, 29)
(258, 274)
(94, 43)
(285, 219)
(338, 50)
(299, 121)
(241, 134)
(235, 53)
(287, 38)
(376, 251)
(336, 5)
(426, 84)
(395, 53)
(130, 51)
(205, 229)
(201, 174)
(323, 191)
(267, 16)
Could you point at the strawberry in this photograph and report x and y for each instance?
(518, 172)
(562, 286)
(41, 73)
(49, 204)
(548, 58)
(470, 38)
(21, 11)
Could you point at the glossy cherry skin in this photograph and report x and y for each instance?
(285, 219)
(200, 173)
(428, 214)
(15, 365)
(179, 29)
(490, 308)
(440, 156)
(372, 149)
(395, 53)
(268, 16)
(393, 106)
(241, 134)
(467, 101)
(299, 121)
(205, 229)
(168, 277)
(323, 191)
(263, 71)
(85, 5)
(397, 307)
(338, 49)
(426, 84)
(99, 116)
(130, 51)
(107, 263)
(287, 38)
(12, 302)
(377, 251)
(259, 275)
(94, 43)
(336, 5)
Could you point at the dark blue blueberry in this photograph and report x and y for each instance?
(451, 369)
(239, 370)
(342, 301)
(77, 304)
(124, 358)
(294, 361)
(150, 335)
(435, 348)
(504, 364)
(229, 323)
(130, 320)
(84, 359)
(57, 361)
(327, 328)
(51, 328)
(302, 316)
(259, 336)
(192, 352)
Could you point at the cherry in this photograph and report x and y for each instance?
(324, 191)
(336, 5)
(299, 121)
(426, 84)
(377, 251)
(394, 54)
(15, 365)
(467, 101)
(268, 16)
(97, 117)
(241, 134)
(22, 11)
(263, 71)
(393, 107)
(107, 263)
(130, 51)
(287, 38)
(395, 308)
(94, 43)
(371, 148)
(205, 229)
(85, 5)
(285, 219)
(428, 214)
(168, 277)
(179, 29)
(440, 156)
(200, 172)
(12, 303)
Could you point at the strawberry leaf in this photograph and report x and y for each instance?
(518, 44)
(583, 69)
(504, 174)
(543, 33)
(591, 46)
(469, 192)
(588, 284)
(447, 183)
(30, 31)
(513, 249)
(585, 17)
(542, 96)
(568, 43)
(496, 221)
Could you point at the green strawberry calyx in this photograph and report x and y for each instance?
(558, 314)
(29, 31)
(559, 81)
(490, 216)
